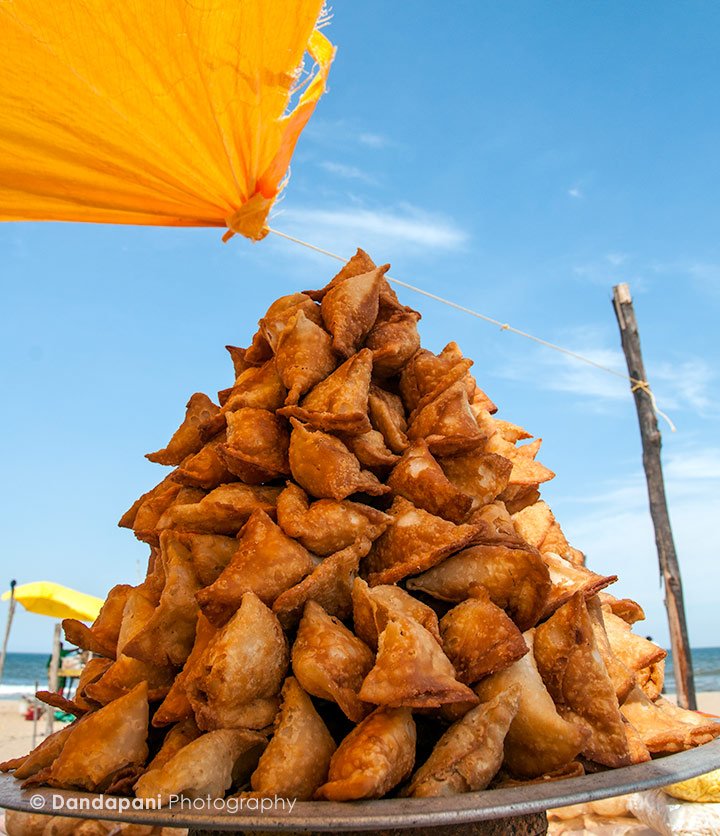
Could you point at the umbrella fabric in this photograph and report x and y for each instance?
(56, 601)
(171, 114)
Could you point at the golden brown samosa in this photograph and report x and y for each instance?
(331, 662)
(388, 418)
(576, 678)
(375, 606)
(325, 467)
(411, 669)
(210, 553)
(358, 264)
(483, 476)
(568, 578)
(223, 511)
(205, 469)
(516, 579)
(419, 478)
(394, 337)
(267, 562)
(102, 636)
(539, 741)
(295, 762)
(446, 423)
(177, 738)
(428, 374)
(303, 355)
(470, 753)
(414, 542)
(370, 449)
(376, 756)
(634, 651)
(350, 308)
(257, 445)
(167, 637)
(186, 440)
(103, 744)
(277, 317)
(41, 757)
(623, 679)
(202, 769)
(329, 584)
(340, 402)
(237, 680)
(479, 638)
(327, 526)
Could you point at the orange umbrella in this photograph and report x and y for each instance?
(170, 114)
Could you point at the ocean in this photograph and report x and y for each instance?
(23, 669)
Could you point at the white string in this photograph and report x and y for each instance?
(636, 385)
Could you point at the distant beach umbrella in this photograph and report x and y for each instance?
(56, 601)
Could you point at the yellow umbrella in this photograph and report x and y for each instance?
(56, 601)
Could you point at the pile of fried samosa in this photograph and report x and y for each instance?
(354, 590)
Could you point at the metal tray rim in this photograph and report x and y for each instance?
(399, 813)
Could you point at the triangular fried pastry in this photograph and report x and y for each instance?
(41, 757)
(370, 449)
(297, 758)
(210, 554)
(239, 361)
(468, 756)
(92, 671)
(152, 510)
(257, 445)
(304, 356)
(329, 584)
(497, 526)
(167, 637)
(634, 651)
(393, 339)
(627, 609)
(331, 662)
(539, 740)
(325, 467)
(176, 739)
(155, 577)
(623, 679)
(277, 317)
(483, 476)
(176, 705)
(411, 669)
(327, 526)
(447, 423)
(205, 469)
(414, 542)
(202, 769)
(375, 606)
(267, 562)
(420, 479)
(376, 756)
(102, 636)
(125, 672)
(538, 526)
(665, 728)
(258, 387)
(388, 417)
(223, 511)
(516, 579)
(360, 263)
(427, 374)
(55, 700)
(479, 638)
(237, 680)
(259, 350)
(567, 579)
(350, 308)
(576, 678)
(186, 440)
(104, 743)
(652, 679)
(340, 402)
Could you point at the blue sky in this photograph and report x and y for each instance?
(518, 157)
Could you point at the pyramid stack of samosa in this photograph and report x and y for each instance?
(354, 590)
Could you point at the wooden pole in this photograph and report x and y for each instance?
(651, 444)
(8, 625)
(53, 677)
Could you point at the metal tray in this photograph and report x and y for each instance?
(395, 812)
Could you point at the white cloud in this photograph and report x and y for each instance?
(341, 230)
(616, 259)
(349, 172)
(575, 192)
(374, 140)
